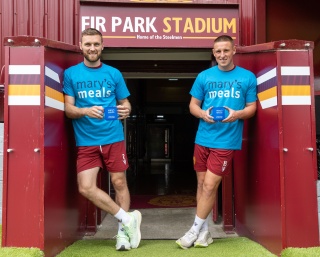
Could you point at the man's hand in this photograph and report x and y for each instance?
(95, 112)
(232, 117)
(123, 112)
(206, 115)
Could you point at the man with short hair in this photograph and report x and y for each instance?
(92, 88)
(220, 130)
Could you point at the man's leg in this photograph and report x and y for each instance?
(88, 188)
(205, 200)
(119, 182)
(204, 238)
(115, 159)
(122, 198)
(87, 185)
(200, 180)
(208, 195)
(204, 207)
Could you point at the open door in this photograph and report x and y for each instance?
(41, 204)
(275, 174)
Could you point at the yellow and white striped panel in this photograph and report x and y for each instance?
(24, 85)
(53, 97)
(296, 94)
(268, 96)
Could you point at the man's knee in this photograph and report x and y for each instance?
(119, 182)
(85, 189)
(200, 185)
(211, 187)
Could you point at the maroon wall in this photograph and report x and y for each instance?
(64, 208)
(41, 205)
(275, 194)
(287, 19)
(256, 174)
(59, 20)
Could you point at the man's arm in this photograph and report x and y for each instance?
(74, 112)
(195, 110)
(124, 108)
(245, 113)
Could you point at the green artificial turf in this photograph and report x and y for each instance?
(18, 251)
(301, 252)
(229, 247)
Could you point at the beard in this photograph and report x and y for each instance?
(92, 58)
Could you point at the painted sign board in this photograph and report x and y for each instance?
(160, 26)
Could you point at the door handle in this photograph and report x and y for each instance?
(310, 149)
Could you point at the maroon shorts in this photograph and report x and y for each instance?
(215, 160)
(113, 157)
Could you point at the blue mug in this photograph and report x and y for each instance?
(110, 113)
(218, 113)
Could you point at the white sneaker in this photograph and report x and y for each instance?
(133, 229)
(203, 240)
(187, 240)
(123, 243)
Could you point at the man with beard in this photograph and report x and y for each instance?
(92, 89)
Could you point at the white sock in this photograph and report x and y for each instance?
(123, 217)
(198, 222)
(205, 225)
(120, 227)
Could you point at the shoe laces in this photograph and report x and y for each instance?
(190, 235)
(128, 232)
(119, 236)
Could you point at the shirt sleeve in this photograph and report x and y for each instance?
(252, 89)
(197, 88)
(67, 84)
(121, 89)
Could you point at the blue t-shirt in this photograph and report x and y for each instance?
(101, 86)
(218, 88)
